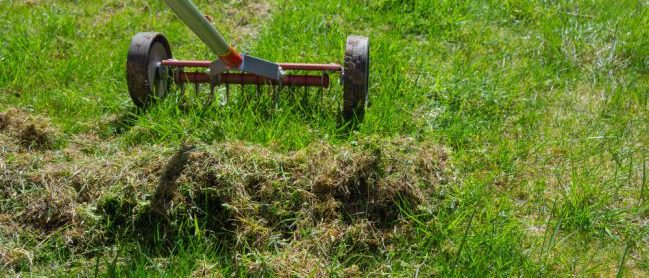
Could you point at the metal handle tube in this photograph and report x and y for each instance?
(192, 17)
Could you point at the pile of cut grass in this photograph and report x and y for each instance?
(290, 212)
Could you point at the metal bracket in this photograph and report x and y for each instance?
(261, 67)
(216, 68)
(252, 65)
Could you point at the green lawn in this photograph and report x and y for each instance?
(538, 109)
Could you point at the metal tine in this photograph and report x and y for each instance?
(291, 94)
(226, 98)
(276, 91)
(210, 98)
(321, 92)
(321, 96)
(197, 87)
(305, 98)
(244, 96)
(181, 87)
(322, 78)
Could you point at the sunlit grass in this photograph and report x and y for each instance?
(543, 105)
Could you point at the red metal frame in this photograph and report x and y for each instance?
(285, 66)
(246, 78)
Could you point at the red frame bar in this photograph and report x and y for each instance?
(246, 78)
(285, 66)
(186, 63)
(314, 67)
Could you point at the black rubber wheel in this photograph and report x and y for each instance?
(356, 78)
(146, 81)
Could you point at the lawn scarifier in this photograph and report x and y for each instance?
(151, 67)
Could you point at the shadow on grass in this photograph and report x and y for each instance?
(122, 122)
(157, 228)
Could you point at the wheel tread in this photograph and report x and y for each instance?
(355, 78)
(137, 66)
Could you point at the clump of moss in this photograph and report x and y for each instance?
(35, 136)
(15, 259)
(32, 133)
(49, 208)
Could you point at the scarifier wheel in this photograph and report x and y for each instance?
(356, 78)
(147, 81)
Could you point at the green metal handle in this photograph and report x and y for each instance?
(194, 19)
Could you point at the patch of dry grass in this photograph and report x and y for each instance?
(292, 211)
